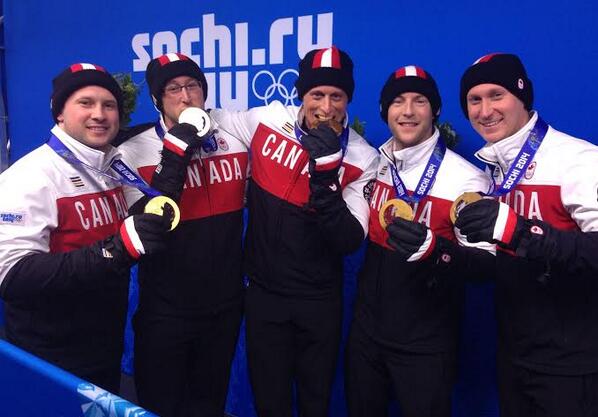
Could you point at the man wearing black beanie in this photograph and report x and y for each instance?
(306, 210)
(403, 339)
(191, 297)
(544, 220)
(66, 243)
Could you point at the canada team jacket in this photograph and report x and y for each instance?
(200, 272)
(546, 296)
(287, 250)
(415, 306)
(62, 301)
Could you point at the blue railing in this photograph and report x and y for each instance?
(32, 387)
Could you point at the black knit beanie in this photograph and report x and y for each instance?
(505, 70)
(328, 66)
(409, 79)
(78, 76)
(164, 68)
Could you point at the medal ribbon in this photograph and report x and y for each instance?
(126, 175)
(522, 160)
(427, 179)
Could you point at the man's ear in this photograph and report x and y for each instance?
(60, 118)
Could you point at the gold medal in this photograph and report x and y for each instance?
(331, 123)
(156, 206)
(392, 209)
(461, 201)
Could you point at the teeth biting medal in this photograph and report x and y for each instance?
(330, 122)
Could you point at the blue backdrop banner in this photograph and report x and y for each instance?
(249, 52)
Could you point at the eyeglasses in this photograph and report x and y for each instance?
(176, 89)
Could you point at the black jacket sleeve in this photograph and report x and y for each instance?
(340, 228)
(50, 274)
(572, 251)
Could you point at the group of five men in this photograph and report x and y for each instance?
(76, 220)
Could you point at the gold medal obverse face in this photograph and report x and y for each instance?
(461, 201)
(156, 206)
(392, 209)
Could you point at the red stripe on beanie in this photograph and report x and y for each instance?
(419, 72)
(163, 60)
(317, 62)
(321, 58)
(166, 58)
(76, 67)
(336, 57)
(82, 66)
(486, 58)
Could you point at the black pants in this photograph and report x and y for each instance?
(291, 340)
(526, 393)
(422, 383)
(182, 365)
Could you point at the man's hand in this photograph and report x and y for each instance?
(324, 149)
(489, 220)
(144, 234)
(412, 240)
(180, 143)
(325, 157)
(182, 139)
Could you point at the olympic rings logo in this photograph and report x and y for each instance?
(276, 89)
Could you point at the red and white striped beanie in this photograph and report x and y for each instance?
(327, 66)
(78, 76)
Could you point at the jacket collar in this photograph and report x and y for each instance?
(504, 152)
(94, 157)
(413, 156)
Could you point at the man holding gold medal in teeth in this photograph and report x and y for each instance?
(191, 296)
(404, 335)
(306, 206)
(544, 219)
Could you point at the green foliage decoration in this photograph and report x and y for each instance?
(130, 93)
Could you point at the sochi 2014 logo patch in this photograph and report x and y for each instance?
(12, 218)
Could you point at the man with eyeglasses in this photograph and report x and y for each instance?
(190, 298)
(307, 209)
